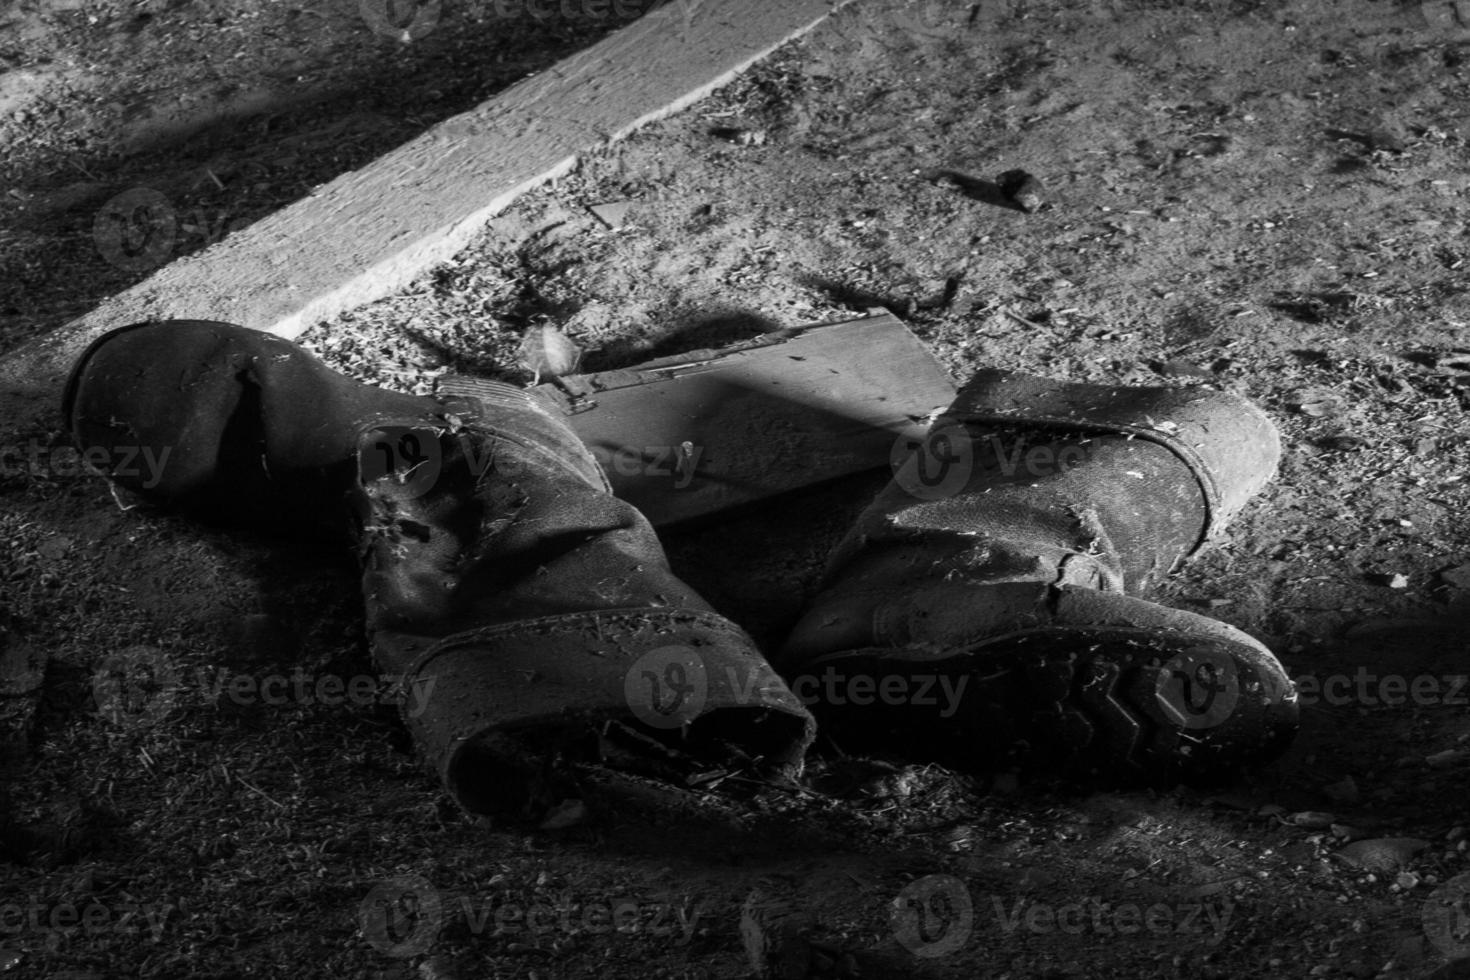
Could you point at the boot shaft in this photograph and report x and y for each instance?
(518, 601)
(984, 611)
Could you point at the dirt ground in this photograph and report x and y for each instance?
(1269, 197)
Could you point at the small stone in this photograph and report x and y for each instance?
(740, 135)
(1311, 819)
(889, 785)
(1459, 576)
(567, 813)
(547, 352)
(1022, 188)
(1390, 580)
(1175, 368)
(613, 214)
(1384, 854)
(1317, 402)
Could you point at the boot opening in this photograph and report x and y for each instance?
(525, 772)
(758, 738)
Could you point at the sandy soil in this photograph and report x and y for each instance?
(1265, 196)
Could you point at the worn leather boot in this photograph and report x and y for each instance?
(986, 610)
(521, 606)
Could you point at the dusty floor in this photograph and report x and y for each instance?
(1270, 197)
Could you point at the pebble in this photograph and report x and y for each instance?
(1459, 576)
(567, 813)
(1021, 187)
(547, 352)
(1382, 853)
(1311, 819)
(1317, 402)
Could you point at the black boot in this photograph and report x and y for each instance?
(985, 609)
(520, 603)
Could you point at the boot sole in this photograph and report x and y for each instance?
(1100, 707)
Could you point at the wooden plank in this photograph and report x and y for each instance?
(690, 436)
(368, 233)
